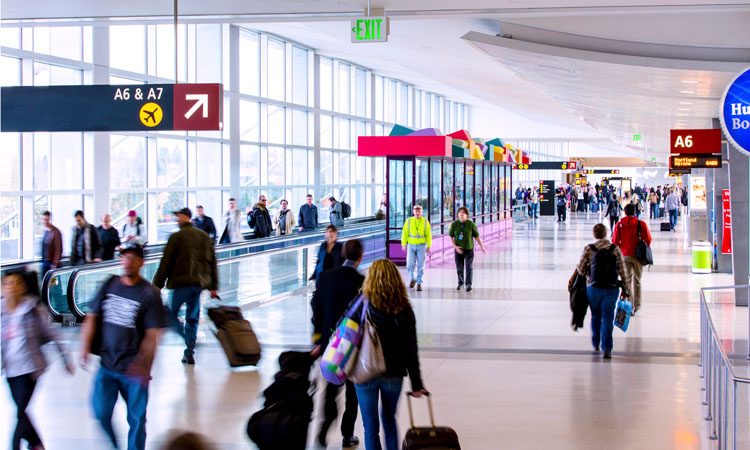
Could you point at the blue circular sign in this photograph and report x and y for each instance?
(735, 111)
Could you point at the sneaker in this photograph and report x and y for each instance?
(607, 355)
(419, 287)
(468, 288)
(351, 441)
(188, 359)
(412, 283)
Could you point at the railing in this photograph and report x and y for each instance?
(520, 212)
(723, 405)
(240, 271)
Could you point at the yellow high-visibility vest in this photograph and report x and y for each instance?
(416, 231)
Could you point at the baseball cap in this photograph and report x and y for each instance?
(132, 213)
(185, 211)
(132, 247)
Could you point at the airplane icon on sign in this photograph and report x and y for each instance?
(150, 115)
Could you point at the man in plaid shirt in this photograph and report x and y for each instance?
(602, 265)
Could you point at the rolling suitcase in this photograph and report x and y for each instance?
(235, 335)
(665, 226)
(429, 438)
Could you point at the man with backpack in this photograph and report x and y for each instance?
(134, 230)
(562, 201)
(613, 212)
(337, 212)
(259, 219)
(627, 233)
(602, 265)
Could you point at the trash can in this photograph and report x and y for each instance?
(702, 259)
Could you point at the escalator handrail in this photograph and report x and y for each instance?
(158, 248)
(73, 305)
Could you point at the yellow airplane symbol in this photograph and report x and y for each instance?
(151, 114)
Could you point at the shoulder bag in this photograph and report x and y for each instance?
(642, 251)
(370, 362)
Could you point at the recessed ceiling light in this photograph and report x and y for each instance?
(685, 103)
(687, 92)
(684, 109)
(690, 81)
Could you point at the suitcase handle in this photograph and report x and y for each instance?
(409, 395)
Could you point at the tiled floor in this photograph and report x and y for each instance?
(505, 368)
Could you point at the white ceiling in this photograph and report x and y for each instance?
(521, 91)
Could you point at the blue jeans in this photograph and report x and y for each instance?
(534, 210)
(415, 253)
(190, 296)
(602, 303)
(673, 218)
(389, 391)
(107, 385)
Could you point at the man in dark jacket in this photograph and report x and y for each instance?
(308, 215)
(259, 219)
(109, 237)
(188, 266)
(334, 291)
(51, 244)
(205, 223)
(85, 247)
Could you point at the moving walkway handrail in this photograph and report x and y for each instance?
(719, 378)
(312, 238)
(158, 248)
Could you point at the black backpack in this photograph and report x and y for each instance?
(346, 210)
(603, 268)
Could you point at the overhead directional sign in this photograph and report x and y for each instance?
(602, 171)
(370, 29)
(694, 161)
(548, 165)
(684, 142)
(142, 107)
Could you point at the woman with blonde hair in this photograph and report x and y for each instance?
(393, 317)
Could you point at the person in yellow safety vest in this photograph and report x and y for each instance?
(416, 240)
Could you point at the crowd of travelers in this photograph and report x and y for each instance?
(90, 244)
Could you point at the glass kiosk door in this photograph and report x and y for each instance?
(400, 200)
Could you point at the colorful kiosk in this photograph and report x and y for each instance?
(442, 173)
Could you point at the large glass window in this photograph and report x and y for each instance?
(276, 69)
(127, 48)
(326, 84)
(249, 62)
(299, 75)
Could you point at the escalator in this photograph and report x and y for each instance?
(249, 272)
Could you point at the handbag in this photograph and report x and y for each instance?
(341, 352)
(622, 314)
(642, 251)
(370, 362)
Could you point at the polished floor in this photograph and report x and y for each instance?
(503, 364)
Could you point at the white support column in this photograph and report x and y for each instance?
(234, 111)
(317, 188)
(101, 163)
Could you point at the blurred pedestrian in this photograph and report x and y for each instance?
(335, 212)
(187, 441)
(51, 244)
(24, 331)
(123, 326)
(232, 223)
(329, 253)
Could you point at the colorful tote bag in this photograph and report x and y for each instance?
(340, 355)
(623, 311)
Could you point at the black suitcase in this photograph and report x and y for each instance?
(429, 438)
(665, 226)
(236, 336)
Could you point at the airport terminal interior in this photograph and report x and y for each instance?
(580, 157)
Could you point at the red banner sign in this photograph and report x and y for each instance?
(688, 142)
(726, 242)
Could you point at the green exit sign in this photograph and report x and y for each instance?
(637, 137)
(370, 29)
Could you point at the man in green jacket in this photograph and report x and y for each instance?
(188, 266)
(416, 239)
